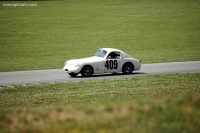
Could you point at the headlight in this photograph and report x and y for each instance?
(76, 65)
(72, 64)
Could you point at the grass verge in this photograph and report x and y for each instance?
(164, 103)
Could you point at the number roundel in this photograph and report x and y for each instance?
(112, 64)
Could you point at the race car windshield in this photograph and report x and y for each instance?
(100, 53)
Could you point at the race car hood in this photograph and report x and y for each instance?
(86, 60)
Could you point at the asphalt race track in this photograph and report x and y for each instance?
(58, 75)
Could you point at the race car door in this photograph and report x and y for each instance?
(112, 62)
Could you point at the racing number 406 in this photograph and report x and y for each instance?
(111, 64)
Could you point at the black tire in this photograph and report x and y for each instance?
(73, 74)
(127, 68)
(87, 71)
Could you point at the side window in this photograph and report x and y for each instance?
(114, 55)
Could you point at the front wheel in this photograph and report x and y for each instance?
(127, 68)
(86, 71)
(73, 74)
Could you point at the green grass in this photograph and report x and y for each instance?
(44, 37)
(140, 104)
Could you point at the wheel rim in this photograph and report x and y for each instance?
(128, 68)
(87, 71)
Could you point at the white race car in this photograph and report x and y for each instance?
(105, 60)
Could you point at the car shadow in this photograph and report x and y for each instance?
(110, 74)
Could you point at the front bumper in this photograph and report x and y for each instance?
(71, 69)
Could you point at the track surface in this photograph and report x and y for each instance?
(58, 75)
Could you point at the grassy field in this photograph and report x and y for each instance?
(140, 104)
(45, 36)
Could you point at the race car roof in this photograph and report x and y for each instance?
(111, 50)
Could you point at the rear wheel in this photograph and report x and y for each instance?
(73, 74)
(127, 68)
(87, 71)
